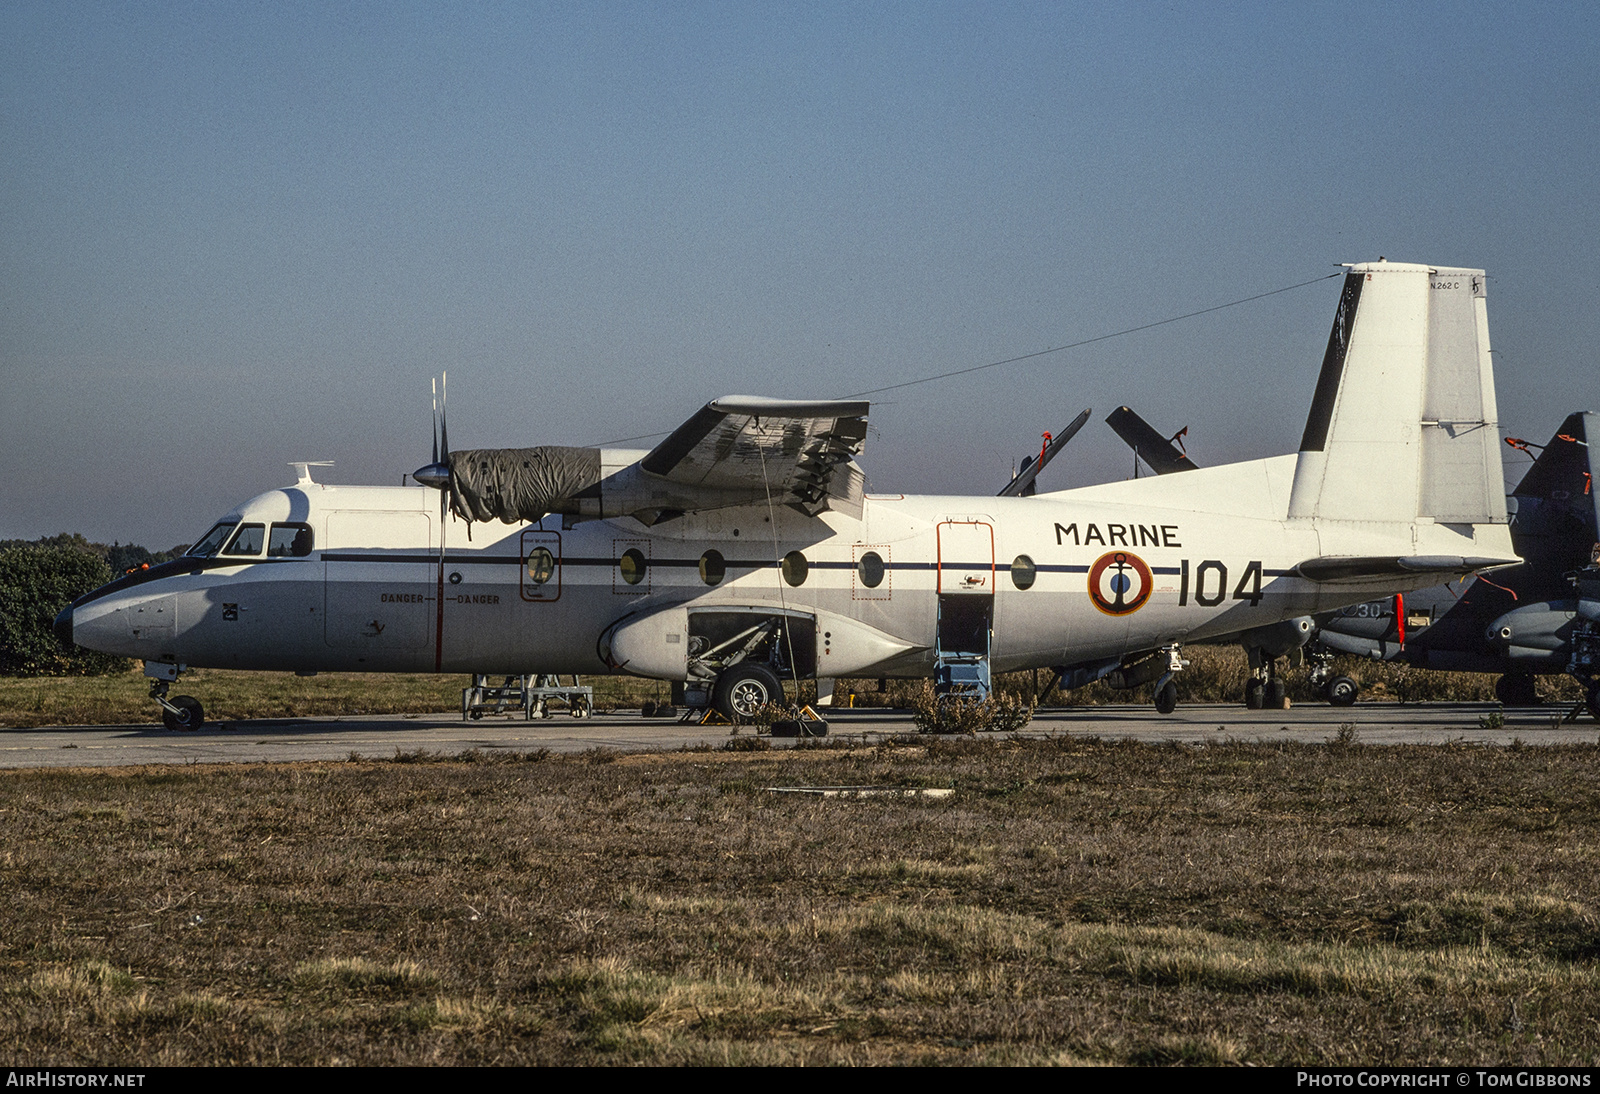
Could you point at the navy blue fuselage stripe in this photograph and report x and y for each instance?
(730, 563)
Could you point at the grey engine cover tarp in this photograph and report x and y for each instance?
(513, 484)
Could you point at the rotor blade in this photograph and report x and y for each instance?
(1023, 480)
(1162, 456)
(444, 428)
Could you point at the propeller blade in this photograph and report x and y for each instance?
(444, 427)
(437, 473)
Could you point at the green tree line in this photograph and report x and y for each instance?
(40, 577)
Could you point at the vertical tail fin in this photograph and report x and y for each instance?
(1404, 424)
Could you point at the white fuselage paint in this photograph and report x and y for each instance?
(367, 597)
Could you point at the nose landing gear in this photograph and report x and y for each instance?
(181, 712)
(1166, 689)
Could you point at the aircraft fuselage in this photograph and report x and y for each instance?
(1063, 578)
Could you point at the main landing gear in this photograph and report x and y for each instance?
(1584, 663)
(181, 712)
(1265, 690)
(744, 690)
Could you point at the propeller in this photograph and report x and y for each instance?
(437, 473)
(437, 476)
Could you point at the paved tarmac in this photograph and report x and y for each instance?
(381, 736)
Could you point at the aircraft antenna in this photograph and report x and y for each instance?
(1091, 341)
(1038, 353)
(303, 468)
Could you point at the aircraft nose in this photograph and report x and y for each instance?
(63, 625)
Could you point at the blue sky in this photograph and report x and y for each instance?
(235, 235)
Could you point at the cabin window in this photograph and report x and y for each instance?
(632, 566)
(211, 541)
(871, 569)
(541, 565)
(795, 568)
(1023, 572)
(247, 540)
(713, 568)
(289, 541)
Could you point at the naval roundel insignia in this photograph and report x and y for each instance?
(1119, 583)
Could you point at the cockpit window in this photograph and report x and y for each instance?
(211, 541)
(246, 541)
(289, 541)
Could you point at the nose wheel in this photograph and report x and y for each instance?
(1166, 689)
(181, 712)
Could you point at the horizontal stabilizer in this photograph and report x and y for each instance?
(1336, 568)
(1158, 452)
(1021, 484)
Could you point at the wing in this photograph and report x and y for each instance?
(740, 450)
(800, 451)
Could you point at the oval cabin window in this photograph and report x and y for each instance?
(795, 568)
(541, 565)
(870, 569)
(713, 568)
(632, 565)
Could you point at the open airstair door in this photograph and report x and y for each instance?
(966, 608)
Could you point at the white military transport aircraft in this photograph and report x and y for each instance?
(742, 549)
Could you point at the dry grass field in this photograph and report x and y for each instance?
(1073, 902)
(1217, 674)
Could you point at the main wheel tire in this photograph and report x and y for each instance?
(1167, 698)
(1342, 691)
(743, 690)
(1253, 691)
(1517, 689)
(1276, 695)
(1594, 700)
(191, 714)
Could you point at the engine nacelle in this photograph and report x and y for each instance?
(1279, 638)
(1540, 633)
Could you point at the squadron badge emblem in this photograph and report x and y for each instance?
(1119, 583)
